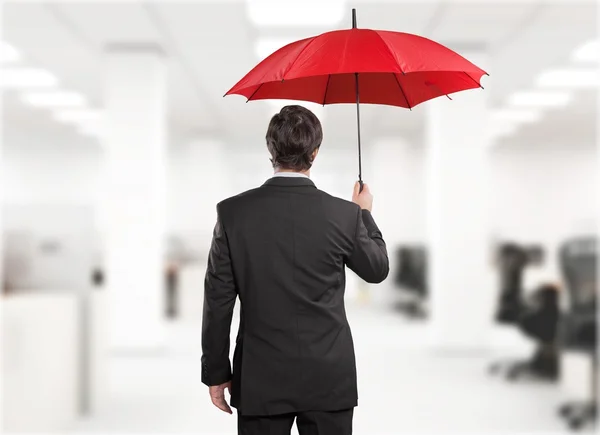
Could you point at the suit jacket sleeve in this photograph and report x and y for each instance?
(219, 299)
(369, 259)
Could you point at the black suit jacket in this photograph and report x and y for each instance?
(282, 249)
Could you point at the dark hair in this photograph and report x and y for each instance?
(293, 135)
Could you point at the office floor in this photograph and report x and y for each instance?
(403, 388)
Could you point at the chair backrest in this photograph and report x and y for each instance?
(578, 259)
(412, 269)
(420, 268)
(403, 266)
(512, 260)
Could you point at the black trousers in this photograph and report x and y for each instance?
(309, 423)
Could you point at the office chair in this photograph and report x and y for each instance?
(578, 261)
(511, 260)
(411, 277)
(540, 320)
(537, 317)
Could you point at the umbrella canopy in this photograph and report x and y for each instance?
(360, 66)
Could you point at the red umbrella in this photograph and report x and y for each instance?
(360, 66)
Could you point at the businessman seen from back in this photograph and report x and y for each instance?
(282, 249)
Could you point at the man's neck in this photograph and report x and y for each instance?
(278, 170)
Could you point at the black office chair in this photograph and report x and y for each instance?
(511, 261)
(578, 260)
(411, 277)
(537, 317)
(540, 321)
(403, 270)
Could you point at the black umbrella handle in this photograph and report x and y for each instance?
(361, 185)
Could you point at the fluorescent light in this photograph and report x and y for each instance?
(27, 78)
(78, 116)
(54, 99)
(315, 108)
(570, 78)
(8, 53)
(588, 52)
(540, 99)
(264, 47)
(516, 116)
(286, 13)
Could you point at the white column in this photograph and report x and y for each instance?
(134, 196)
(396, 178)
(460, 279)
(200, 175)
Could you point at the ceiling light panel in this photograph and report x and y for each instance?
(54, 99)
(22, 78)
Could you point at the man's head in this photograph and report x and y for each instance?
(293, 138)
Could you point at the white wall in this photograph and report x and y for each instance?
(38, 170)
(541, 192)
(544, 193)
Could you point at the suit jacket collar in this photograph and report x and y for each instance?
(289, 182)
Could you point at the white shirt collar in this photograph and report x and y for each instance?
(290, 174)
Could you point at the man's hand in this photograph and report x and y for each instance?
(364, 199)
(217, 395)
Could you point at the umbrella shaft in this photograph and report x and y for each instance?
(358, 124)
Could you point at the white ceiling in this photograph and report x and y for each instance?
(210, 46)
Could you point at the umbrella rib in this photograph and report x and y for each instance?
(390, 51)
(297, 57)
(255, 91)
(476, 82)
(326, 87)
(402, 90)
(443, 93)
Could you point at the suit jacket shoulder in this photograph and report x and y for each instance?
(250, 203)
(340, 207)
(341, 203)
(229, 205)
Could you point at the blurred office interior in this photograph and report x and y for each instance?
(117, 144)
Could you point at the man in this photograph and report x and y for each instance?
(282, 249)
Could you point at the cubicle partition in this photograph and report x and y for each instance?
(50, 353)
